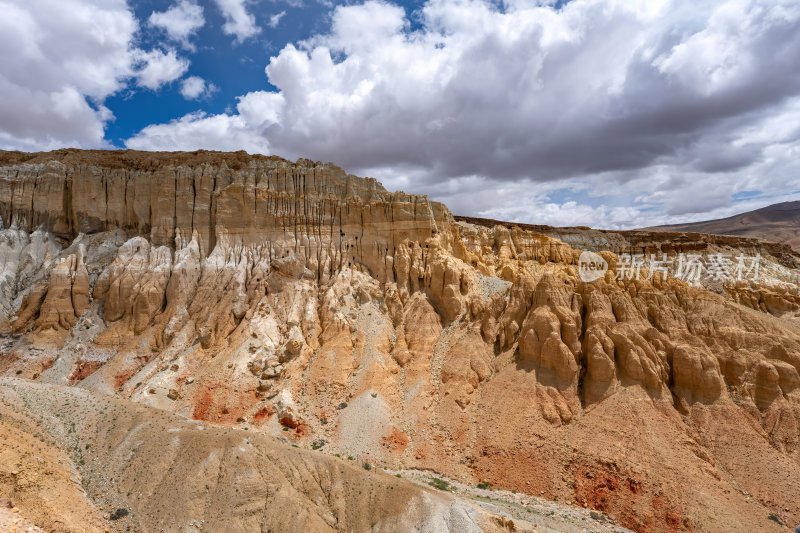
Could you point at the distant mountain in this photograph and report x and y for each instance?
(777, 222)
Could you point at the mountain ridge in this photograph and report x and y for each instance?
(307, 304)
(776, 222)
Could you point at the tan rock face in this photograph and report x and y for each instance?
(67, 296)
(320, 307)
(134, 286)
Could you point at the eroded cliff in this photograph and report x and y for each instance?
(309, 304)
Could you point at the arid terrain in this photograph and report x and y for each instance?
(77, 461)
(207, 341)
(777, 222)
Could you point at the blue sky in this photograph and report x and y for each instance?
(608, 113)
(234, 68)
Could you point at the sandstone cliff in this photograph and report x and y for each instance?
(314, 305)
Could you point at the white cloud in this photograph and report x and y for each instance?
(257, 110)
(68, 57)
(157, 68)
(275, 19)
(604, 112)
(238, 21)
(181, 21)
(58, 56)
(196, 88)
(671, 107)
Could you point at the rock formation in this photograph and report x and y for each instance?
(317, 306)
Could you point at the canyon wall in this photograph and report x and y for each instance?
(315, 306)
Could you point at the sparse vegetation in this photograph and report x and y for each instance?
(440, 484)
(119, 513)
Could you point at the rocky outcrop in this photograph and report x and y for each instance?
(650, 241)
(313, 209)
(67, 294)
(134, 286)
(319, 307)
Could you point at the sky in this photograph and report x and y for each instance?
(606, 113)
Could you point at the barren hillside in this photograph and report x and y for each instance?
(312, 306)
(777, 223)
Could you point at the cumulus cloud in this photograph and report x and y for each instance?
(238, 21)
(58, 54)
(68, 57)
(671, 107)
(254, 112)
(196, 88)
(157, 68)
(180, 22)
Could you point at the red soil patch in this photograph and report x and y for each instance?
(303, 429)
(220, 404)
(289, 422)
(202, 405)
(46, 364)
(395, 441)
(263, 415)
(672, 517)
(599, 488)
(83, 370)
(608, 490)
(122, 377)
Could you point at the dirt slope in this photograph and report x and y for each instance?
(777, 223)
(168, 474)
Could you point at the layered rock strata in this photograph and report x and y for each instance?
(314, 305)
